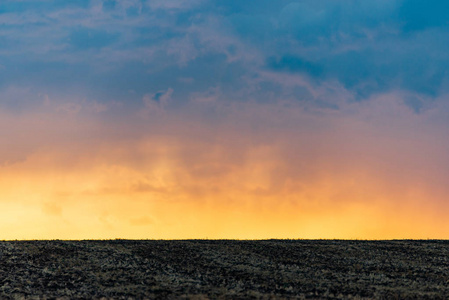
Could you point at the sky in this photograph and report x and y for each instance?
(171, 119)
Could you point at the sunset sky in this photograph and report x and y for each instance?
(162, 119)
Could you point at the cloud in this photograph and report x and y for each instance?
(369, 48)
(228, 117)
(418, 15)
(158, 101)
(368, 157)
(174, 4)
(211, 96)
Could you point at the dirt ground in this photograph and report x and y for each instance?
(226, 269)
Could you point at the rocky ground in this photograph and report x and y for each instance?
(227, 269)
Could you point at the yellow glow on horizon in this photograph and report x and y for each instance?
(107, 202)
(190, 221)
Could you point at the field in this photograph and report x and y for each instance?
(227, 269)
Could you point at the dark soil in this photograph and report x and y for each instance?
(228, 269)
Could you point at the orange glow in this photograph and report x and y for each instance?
(102, 202)
(342, 179)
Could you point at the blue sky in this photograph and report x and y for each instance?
(122, 50)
